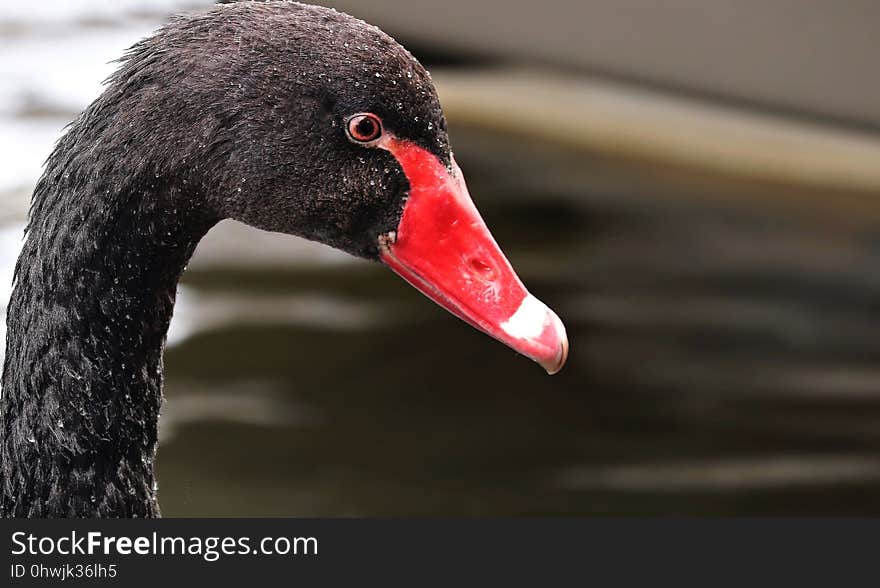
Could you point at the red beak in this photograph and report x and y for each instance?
(443, 248)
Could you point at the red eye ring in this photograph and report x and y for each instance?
(364, 127)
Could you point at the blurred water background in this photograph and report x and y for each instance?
(717, 267)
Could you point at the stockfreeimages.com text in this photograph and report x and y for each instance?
(209, 548)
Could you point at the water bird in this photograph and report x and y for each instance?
(287, 117)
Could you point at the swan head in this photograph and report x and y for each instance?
(307, 121)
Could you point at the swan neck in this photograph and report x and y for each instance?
(87, 320)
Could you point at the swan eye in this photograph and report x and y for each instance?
(364, 127)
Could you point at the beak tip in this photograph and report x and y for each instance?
(554, 363)
(561, 356)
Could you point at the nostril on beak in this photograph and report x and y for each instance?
(480, 265)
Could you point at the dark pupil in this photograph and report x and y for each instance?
(365, 128)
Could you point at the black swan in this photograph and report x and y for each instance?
(288, 117)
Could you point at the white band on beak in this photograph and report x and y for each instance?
(529, 319)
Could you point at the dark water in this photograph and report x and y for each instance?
(722, 362)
